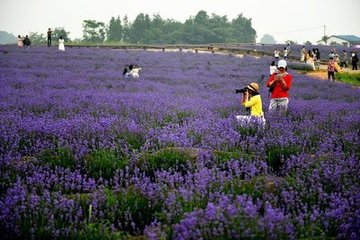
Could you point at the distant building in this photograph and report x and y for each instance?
(344, 40)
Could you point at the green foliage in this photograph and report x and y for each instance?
(277, 154)
(350, 78)
(200, 29)
(60, 32)
(93, 31)
(103, 163)
(115, 30)
(268, 39)
(37, 38)
(169, 158)
(59, 157)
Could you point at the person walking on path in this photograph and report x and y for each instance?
(354, 60)
(49, 32)
(279, 84)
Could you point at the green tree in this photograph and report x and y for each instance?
(60, 32)
(37, 38)
(268, 39)
(93, 31)
(126, 29)
(242, 30)
(325, 39)
(138, 28)
(115, 30)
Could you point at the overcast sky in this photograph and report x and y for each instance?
(297, 20)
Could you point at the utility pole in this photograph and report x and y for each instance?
(324, 30)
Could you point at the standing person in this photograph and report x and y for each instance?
(310, 61)
(251, 99)
(354, 60)
(61, 44)
(302, 54)
(285, 53)
(276, 54)
(288, 49)
(279, 84)
(20, 43)
(343, 59)
(331, 69)
(273, 68)
(27, 41)
(49, 32)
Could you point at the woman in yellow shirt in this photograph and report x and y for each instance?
(252, 99)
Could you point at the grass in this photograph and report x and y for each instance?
(350, 78)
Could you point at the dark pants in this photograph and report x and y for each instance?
(331, 75)
(49, 41)
(343, 64)
(354, 66)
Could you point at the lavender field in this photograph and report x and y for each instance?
(88, 154)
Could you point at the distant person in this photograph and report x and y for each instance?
(285, 53)
(331, 69)
(279, 84)
(354, 60)
(318, 53)
(20, 43)
(310, 61)
(344, 59)
(302, 54)
(332, 54)
(131, 71)
(27, 41)
(251, 99)
(134, 72)
(61, 44)
(126, 71)
(288, 49)
(273, 68)
(276, 54)
(49, 32)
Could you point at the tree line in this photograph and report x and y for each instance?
(200, 29)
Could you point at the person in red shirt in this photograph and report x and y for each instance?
(279, 84)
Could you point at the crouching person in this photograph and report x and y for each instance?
(131, 71)
(251, 99)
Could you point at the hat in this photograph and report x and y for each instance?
(282, 63)
(254, 87)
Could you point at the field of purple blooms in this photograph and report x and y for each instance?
(88, 154)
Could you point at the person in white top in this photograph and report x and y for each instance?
(20, 42)
(273, 68)
(61, 44)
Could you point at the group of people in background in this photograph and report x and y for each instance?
(26, 41)
(284, 53)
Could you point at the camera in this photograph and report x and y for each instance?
(243, 90)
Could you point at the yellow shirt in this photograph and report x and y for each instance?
(255, 105)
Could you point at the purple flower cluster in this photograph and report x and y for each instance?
(86, 152)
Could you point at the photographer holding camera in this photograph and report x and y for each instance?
(251, 99)
(279, 84)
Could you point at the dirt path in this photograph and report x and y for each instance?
(322, 72)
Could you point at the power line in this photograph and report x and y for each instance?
(299, 30)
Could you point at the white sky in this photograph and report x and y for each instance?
(297, 20)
